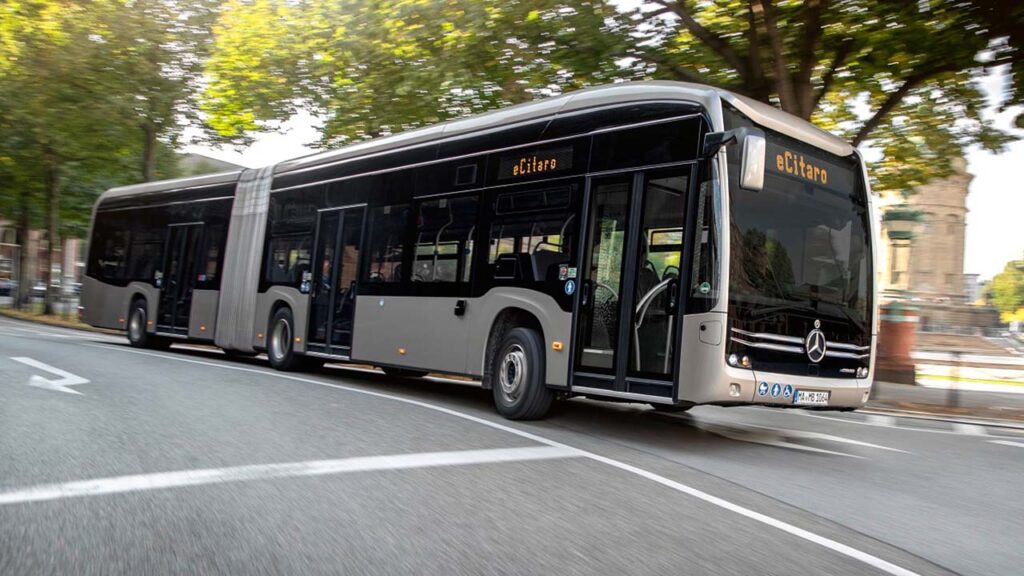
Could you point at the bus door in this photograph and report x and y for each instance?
(629, 297)
(178, 277)
(335, 270)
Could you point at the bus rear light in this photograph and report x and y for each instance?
(557, 346)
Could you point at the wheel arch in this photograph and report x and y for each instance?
(508, 318)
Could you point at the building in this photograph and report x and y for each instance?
(922, 254)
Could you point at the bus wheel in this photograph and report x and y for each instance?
(138, 337)
(517, 372)
(280, 352)
(404, 372)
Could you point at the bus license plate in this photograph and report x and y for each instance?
(810, 397)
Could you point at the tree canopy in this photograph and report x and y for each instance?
(899, 75)
(1007, 291)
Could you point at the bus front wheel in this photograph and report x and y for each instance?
(517, 376)
(280, 350)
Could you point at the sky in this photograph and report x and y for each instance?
(995, 202)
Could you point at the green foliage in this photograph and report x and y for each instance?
(1007, 288)
(899, 75)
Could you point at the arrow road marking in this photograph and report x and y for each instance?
(60, 385)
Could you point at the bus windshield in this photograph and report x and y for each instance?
(800, 246)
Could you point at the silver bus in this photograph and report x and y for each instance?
(657, 242)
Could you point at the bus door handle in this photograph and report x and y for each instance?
(352, 291)
(460, 307)
(585, 294)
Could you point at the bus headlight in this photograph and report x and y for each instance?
(862, 372)
(740, 362)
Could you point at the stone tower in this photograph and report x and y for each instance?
(929, 261)
(937, 266)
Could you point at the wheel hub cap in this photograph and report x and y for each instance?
(279, 339)
(512, 373)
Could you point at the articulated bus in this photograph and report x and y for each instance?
(656, 242)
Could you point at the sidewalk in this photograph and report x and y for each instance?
(943, 402)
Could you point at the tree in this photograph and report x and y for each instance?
(95, 94)
(1007, 289)
(156, 53)
(898, 75)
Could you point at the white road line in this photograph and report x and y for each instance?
(828, 543)
(182, 478)
(1008, 443)
(969, 429)
(881, 424)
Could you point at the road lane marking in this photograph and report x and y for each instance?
(782, 438)
(183, 478)
(1008, 443)
(969, 429)
(881, 424)
(828, 543)
(60, 385)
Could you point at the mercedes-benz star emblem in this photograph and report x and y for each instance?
(815, 344)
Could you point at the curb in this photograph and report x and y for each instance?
(935, 417)
(58, 323)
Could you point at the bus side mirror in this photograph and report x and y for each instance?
(752, 162)
(752, 146)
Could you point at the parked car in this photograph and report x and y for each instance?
(8, 287)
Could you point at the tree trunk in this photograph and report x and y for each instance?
(24, 291)
(53, 221)
(149, 152)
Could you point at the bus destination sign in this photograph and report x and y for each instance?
(809, 168)
(535, 163)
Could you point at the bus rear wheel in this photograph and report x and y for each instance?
(517, 376)
(138, 336)
(281, 351)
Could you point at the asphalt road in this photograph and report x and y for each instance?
(189, 462)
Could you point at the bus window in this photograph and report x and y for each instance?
(546, 241)
(704, 281)
(212, 254)
(287, 258)
(444, 240)
(109, 260)
(387, 239)
(145, 254)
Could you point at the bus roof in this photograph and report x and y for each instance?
(163, 186)
(625, 92)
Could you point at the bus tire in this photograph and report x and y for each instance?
(403, 372)
(517, 369)
(138, 336)
(281, 345)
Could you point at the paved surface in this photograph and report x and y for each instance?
(186, 462)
